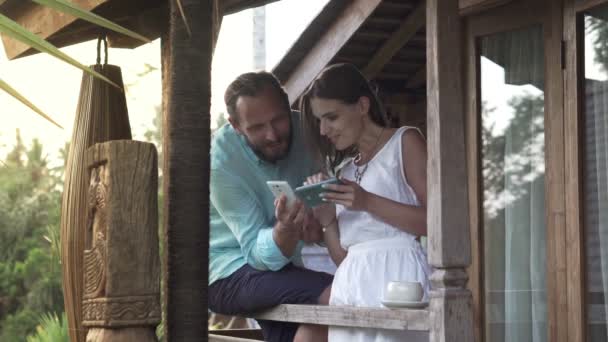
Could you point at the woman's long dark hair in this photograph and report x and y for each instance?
(342, 82)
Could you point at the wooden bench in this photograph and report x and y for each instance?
(346, 316)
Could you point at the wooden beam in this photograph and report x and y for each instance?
(334, 38)
(449, 240)
(468, 7)
(558, 311)
(384, 21)
(399, 38)
(186, 71)
(397, 5)
(41, 20)
(574, 178)
(473, 141)
(350, 316)
(233, 6)
(254, 334)
(221, 338)
(149, 23)
(147, 18)
(583, 5)
(392, 75)
(417, 79)
(367, 34)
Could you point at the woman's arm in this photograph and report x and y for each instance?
(331, 235)
(408, 218)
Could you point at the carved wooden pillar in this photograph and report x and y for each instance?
(449, 244)
(121, 299)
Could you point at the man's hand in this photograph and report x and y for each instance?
(288, 229)
(291, 218)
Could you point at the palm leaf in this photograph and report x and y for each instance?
(16, 31)
(7, 88)
(76, 11)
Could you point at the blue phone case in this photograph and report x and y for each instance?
(309, 194)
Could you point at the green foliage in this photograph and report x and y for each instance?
(51, 329)
(599, 30)
(30, 274)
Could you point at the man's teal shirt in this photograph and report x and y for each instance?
(242, 207)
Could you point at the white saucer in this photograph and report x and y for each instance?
(403, 304)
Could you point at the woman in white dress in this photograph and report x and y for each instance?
(372, 223)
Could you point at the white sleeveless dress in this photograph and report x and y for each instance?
(377, 252)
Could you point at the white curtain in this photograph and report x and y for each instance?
(596, 207)
(514, 187)
(525, 238)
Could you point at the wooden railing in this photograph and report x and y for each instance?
(350, 316)
(346, 316)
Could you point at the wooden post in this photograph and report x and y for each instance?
(449, 239)
(121, 262)
(186, 63)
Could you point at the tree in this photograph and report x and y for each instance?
(30, 276)
(526, 129)
(600, 41)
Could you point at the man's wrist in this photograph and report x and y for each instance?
(284, 236)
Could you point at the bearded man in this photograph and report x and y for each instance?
(255, 246)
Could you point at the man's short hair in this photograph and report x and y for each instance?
(251, 84)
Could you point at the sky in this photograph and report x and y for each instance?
(54, 86)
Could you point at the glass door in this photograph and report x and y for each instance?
(586, 136)
(515, 135)
(595, 170)
(513, 169)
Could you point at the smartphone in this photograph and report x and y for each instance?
(310, 194)
(279, 188)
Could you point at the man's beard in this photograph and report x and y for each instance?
(270, 159)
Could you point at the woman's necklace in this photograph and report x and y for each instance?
(360, 171)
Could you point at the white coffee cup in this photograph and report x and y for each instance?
(404, 291)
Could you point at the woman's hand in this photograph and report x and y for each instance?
(349, 194)
(316, 178)
(325, 213)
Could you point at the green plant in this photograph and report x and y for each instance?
(30, 274)
(51, 329)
